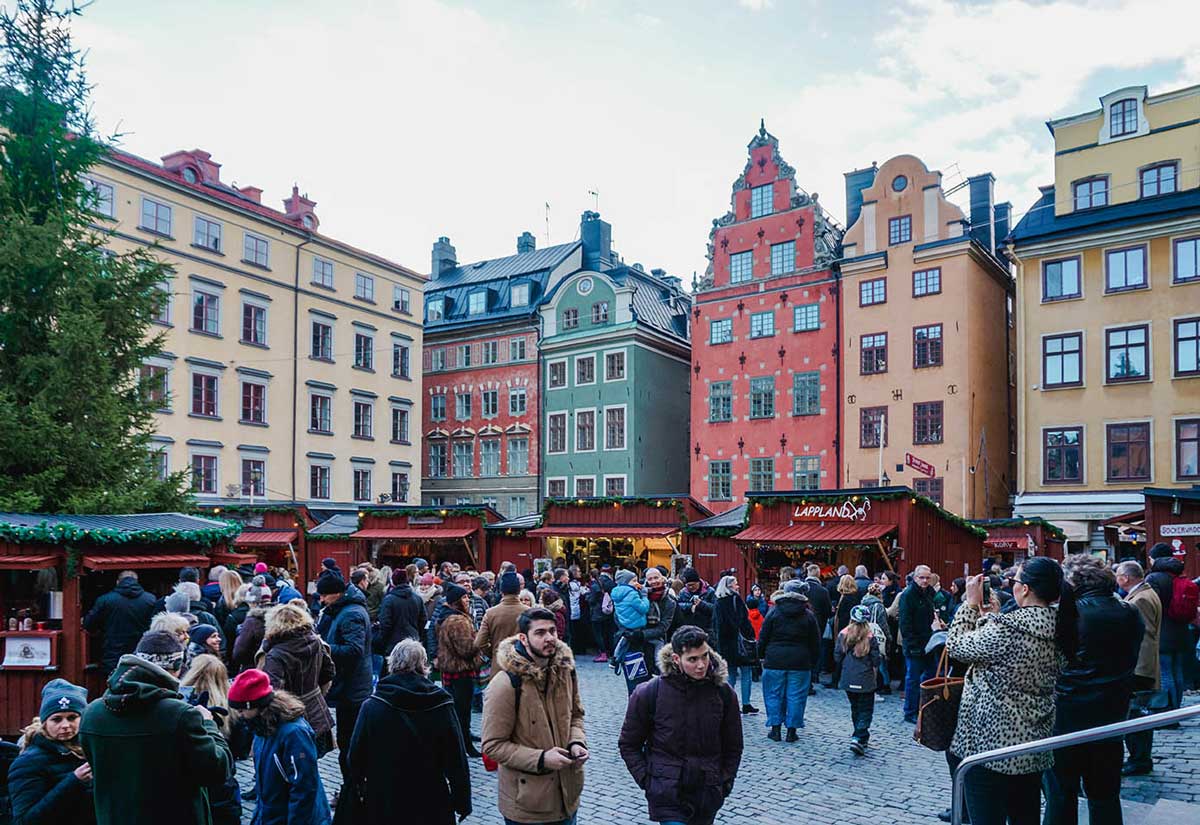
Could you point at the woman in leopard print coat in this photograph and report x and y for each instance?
(1008, 698)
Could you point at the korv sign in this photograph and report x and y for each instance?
(848, 510)
(1170, 530)
(919, 465)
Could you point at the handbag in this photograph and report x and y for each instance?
(747, 650)
(937, 716)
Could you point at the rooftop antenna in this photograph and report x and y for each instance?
(547, 223)
(595, 200)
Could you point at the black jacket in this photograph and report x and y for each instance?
(916, 618)
(348, 633)
(43, 787)
(401, 616)
(122, 615)
(818, 599)
(1094, 688)
(697, 608)
(841, 610)
(1173, 635)
(790, 638)
(731, 620)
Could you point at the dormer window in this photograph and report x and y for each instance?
(760, 201)
(1123, 117)
(189, 174)
(477, 303)
(1091, 193)
(435, 309)
(520, 295)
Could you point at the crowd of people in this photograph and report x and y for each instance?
(245, 667)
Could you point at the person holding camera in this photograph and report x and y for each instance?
(50, 782)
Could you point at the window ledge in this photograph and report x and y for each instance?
(164, 411)
(321, 360)
(205, 333)
(362, 369)
(1185, 281)
(208, 249)
(1123, 289)
(250, 423)
(155, 233)
(320, 285)
(252, 344)
(166, 324)
(363, 437)
(1136, 481)
(205, 417)
(365, 300)
(320, 432)
(1062, 298)
(1117, 382)
(813, 329)
(256, 265)
(397, 441)
(1054, 387)
(400, 377)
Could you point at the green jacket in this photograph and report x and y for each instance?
(152, 754)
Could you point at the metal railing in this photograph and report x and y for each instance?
(1081, 737)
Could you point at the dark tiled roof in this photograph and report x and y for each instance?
(730, 518)
(122, 523)
(522, 263)
(1186, 494)
(339, 524)
(1040, 222)
(655, 303)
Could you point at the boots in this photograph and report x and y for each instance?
(791, 735)
(748, 709)
(773, 734)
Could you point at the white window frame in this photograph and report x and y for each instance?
(368, 351)
(624, 428)
(515, 393)
(763, 331)
(199, 220)
(575, 370)
(369, 405)
(406, 431)
(566, 433)
(257, 382)
(250, 249)
(575, 430)
(170, 217)
(489, 348)
(328, 398)
(550, 480)
(515, 344)
(369, 471)
(477, 302)
(364, 286)
(401, 299)
(483, 397)
(95, 187)
(550, 372)
(519, 290)
(435, 309)
(327, 323)
(749, 272)
(168, 305)
(492, 439)
(624, 365)
(208, 293)
(578, 479)
(327, 466)
(624, 483)
(261, 459)
(437, 359)
(193, 371)
(508, 452)
(726, 323)
(319, 269)
(266, 310)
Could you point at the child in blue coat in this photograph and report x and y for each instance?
(631, 605)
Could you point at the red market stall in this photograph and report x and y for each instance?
(1125, 535)
(1010, 541)
(274, 534)
(712, 547)
(397, 535)
(509, 541)
(1173, 516)
(331, 539)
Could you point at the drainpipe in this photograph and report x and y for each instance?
(1014, 390)
(838, 359)
(541, 406)
(296, 353)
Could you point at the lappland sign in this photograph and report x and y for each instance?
(848, 510)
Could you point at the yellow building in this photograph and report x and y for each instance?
(1108, 290)
(291, 369)
(926, 339)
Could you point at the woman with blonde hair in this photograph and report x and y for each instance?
(50, 782)
(296, 660)
(848, 598)
(176, 624)
(229, 581)
(856, 654)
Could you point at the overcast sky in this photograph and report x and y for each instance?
(410, 119)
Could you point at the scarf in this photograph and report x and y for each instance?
(656, 593)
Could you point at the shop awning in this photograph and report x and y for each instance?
(260, 538)
(1075, 530)
(28, 562)
(602, 531)
(1007, 543)
(414, 533)
(233, 559)
(143, 562)
(814, 533)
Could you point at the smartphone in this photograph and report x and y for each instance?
(987, 591)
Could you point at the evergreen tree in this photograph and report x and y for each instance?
(75, 417)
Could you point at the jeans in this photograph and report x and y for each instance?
(884, 681)
(1098, 766)
(785, 693)
(999, 798)
(917, 669)
(347, 716)
(571, 820)
(1172, 678)
(602, 632)
(462, 691)
(862, 711)
(747, 680)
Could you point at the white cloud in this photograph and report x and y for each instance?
(756, 5)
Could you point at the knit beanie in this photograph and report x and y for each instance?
(689, 575)
(59, 695)
(796, 586)
(1162, 550)
(162, 648)
(199, 634)
(261, 567)
(399, 577)
(860, 614)
(420, 562)
(454, 592)
(427, 580)
(510, 585)
(329, 564)
(328, 585)
(251, 689)
(625, 576)
(214, 574)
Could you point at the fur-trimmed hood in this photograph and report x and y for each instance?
(285, 620)
(718, 670)
(511, 657)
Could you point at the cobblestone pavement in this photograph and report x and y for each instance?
(816, 780)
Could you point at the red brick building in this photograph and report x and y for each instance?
(765, 394)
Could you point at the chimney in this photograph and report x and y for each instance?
(526, 243)
(443, 257)
(597, 241)
(300, 209)
(675, 283)
(252, 193)
(856, 182)
(982, 229)
(1003, 221)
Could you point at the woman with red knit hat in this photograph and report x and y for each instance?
(289, 788)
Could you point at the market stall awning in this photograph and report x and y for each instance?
(92, 562)
(1007, 543)
(604, 531)
(415, 533)
(233, 559)
(28, 562)
(815, 533)
(260, 538)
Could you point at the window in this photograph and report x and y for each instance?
(362, 485)
(614, 366)
(437, 407)
(741, 266)
(783, 257)
(1187, 260)
(1123, 117)
(254, 402)
(206, 312)
(255, 250)
(872, 422)
(464, 458)
(462, 406)
(318, 481)
(614, 428)
(164, 308)
(320, 408)
(364, 351)
(1091, 193)
(585, 487)
(806, 472)
(570, 318)
(517, 401)
(464, 355)
(400, 424)
(322, 341)
(399, 487)
(1062, 455)
(556, 436)
(1125, 268)
(489, 457)
(1128, 353)
(516, 349)
(806, 393)
(927, 423)
(762, 324)
(490, 351)
(154, 385)
(556, 487)
(364, 413)
(364, 286)
(204, 474)
(1060, 279)
(585, 430)
(437, 360)
(874, 353)
(600, 312)
(720, 401)
(489, 403)
(932, 488)
(477, 302)
(585, 370)
(435, 309)
(558, 374)
(872, 292)
(400, 361)
(206, 234)
(322, 275)
(518, 456)
(1062, 360)
(927, 346)
(519, 296)
(1187, 346)
(899, 230)
(156, 217)
(806, 317)
(437, 459)
(927, 282)
(100, 197)
(254, 477)
(1187, 449)
(720, 480)
(762, 474)
(760, 201)
(401, 299)
(762, 397)
(204, 395)
(1128, 452)
(614, 486)
(720, 331)
(254, 324)
(1159, 180)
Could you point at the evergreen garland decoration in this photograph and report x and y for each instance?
(244, 510)
(1052, 530)
(46, 533)
(424, 512)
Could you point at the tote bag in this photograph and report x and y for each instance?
(938, 714)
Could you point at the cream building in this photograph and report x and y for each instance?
(291, 363)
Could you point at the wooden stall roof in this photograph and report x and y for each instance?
(141, 528)
(231, 559)
(264, 538)
(994, 525)
(28, 562)
(415, 533)
(619, 515)
(144, 562)
(601, 531)
(815, 532)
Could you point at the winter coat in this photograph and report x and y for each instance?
(857, 672)
(430, 596)
(1008, 696)
(211, 593)
(406, 757)
(630, 606)
(1173, 635)
(479, 606)
(841, 611)
(863, 583)
(401, 616)
(696, 609)
(499, 623)
(660, 620)
(43, 788)
(560, 617)
(682, 741)
(916, 618)
(122, 615)
(233, 620)
(349, 638)
(1146, 601)
(549, 715)
(249, 639)
(375, 593)
(731, 620)
(289, 787)
(152, 754)
(595, 596)
(790, 638)
(441, 611)
(298, 661)
(1094, 688)
(287, 593)
(456, 644)
(818, 597)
